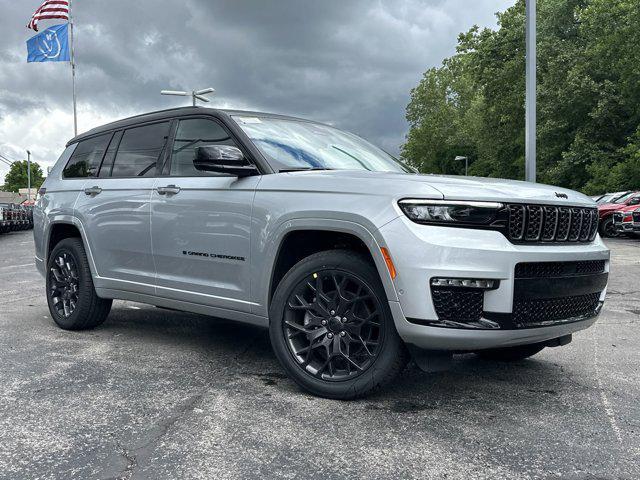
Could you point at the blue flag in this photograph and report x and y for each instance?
(51, 45)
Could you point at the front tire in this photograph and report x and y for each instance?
(608, 229)
(511, 354)
(72, 299)
(331, 327)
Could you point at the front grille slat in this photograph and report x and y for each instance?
(576, 224)
(534, 223)
(550, 224)
(585, 230)
(546, 223)
(516, 221)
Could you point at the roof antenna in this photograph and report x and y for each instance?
(194, 94)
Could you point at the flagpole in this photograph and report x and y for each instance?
(73, 73)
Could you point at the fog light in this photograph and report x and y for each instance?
(483, 284)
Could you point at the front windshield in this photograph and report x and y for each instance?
(300, 145)
(622, 198)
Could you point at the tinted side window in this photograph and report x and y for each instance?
(107, 163)
(191, 134)
(139, 151)
(86, 158)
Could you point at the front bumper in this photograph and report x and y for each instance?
(423, 252)
(627, 227)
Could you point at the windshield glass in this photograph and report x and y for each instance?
(299, 145)
(622, 198)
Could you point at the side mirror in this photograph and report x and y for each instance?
(634, 201)
(223, 159)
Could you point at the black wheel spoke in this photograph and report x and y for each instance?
(332, 325)
(64, 284)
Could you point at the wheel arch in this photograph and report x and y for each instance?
(306, 236)
(67, 227)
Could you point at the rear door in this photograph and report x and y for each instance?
(201, 223)
(115, 207)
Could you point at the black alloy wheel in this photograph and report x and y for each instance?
(63, 284)
(608, 228)
(332, 325)
(72, 298)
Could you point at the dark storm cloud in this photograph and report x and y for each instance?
(350, 63)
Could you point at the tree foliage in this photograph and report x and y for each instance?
(17, 176)
(588, 98)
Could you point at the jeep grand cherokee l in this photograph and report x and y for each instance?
(351, 260)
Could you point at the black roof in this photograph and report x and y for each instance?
(170, 113)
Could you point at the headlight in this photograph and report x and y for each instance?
(450, 212)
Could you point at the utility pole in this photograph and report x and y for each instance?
(28, 176)
(194, 94)
(530, 102)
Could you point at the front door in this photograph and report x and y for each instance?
(201, 224)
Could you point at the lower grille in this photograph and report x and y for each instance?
(458, 304)
(528, 313)
(558, 269)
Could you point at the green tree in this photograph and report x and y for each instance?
(588, 98)
(17, 176)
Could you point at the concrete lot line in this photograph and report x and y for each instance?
(158, 394)
(606, 404)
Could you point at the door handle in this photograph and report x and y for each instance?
(95, 190)
(169, 189)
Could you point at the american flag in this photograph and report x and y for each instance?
(49, 9)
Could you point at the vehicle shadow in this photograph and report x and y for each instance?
(245, 350)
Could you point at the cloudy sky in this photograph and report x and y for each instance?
(348, 63)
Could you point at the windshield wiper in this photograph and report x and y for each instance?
(302, 169)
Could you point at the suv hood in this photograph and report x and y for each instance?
(611, 206)
(403, 185)
(480, 188)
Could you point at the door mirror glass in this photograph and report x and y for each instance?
(223, 159)
(634, 201)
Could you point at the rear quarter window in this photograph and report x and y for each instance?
(86, 158)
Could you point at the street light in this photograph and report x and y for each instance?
(194, 94)
(466, 164)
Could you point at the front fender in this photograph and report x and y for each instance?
(267, 249)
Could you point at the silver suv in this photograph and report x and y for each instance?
(353, 261)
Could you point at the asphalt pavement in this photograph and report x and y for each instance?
(160, 394)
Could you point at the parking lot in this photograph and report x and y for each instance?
(160, 394)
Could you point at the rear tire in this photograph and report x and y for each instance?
(71, 296)
(346, 354)
(511, 354)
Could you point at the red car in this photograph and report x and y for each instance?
(627, 220)
(605, 211)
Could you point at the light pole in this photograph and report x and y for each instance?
(194, 94)
(530, 102)
(466, 164)
(28, 176)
